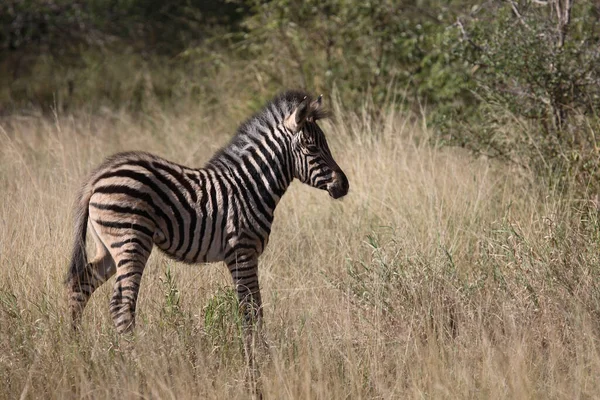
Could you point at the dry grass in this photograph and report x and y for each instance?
(437, 276)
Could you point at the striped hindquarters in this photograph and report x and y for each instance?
(141, 197)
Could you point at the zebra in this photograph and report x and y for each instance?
(221, 212)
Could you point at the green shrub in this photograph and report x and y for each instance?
(380, 49)
(223, 321)
(536, 76)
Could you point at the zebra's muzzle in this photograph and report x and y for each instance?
(339, 187)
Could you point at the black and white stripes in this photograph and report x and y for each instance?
(222, 212)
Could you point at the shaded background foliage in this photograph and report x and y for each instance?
(379, 47)
(516, 80)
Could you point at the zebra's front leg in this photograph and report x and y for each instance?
(244, 271)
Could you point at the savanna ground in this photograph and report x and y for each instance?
(439, 275)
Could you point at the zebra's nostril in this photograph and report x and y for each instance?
(340, 186)
(345, 183)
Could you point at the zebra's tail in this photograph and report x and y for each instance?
(79, 257)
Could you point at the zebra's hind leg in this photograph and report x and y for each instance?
(130, 253)
(82, 285)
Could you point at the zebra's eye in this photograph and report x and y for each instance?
(302, 139)
(306, 141)
(312, 148)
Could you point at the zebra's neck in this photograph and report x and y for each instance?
(261, 162)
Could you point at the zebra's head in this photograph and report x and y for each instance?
(312, 159)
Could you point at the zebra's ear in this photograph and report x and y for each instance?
(317, 111)
(319, 102)
(302, 111)
(297, 118)
(306, 111)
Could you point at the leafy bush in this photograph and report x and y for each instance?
(537, 80)
(379, 48)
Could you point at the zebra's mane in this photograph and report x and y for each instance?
(271, 115)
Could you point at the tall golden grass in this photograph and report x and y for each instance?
(438, 276)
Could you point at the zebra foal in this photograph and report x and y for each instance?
(221, 212)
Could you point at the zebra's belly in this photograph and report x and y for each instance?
(208, 248)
